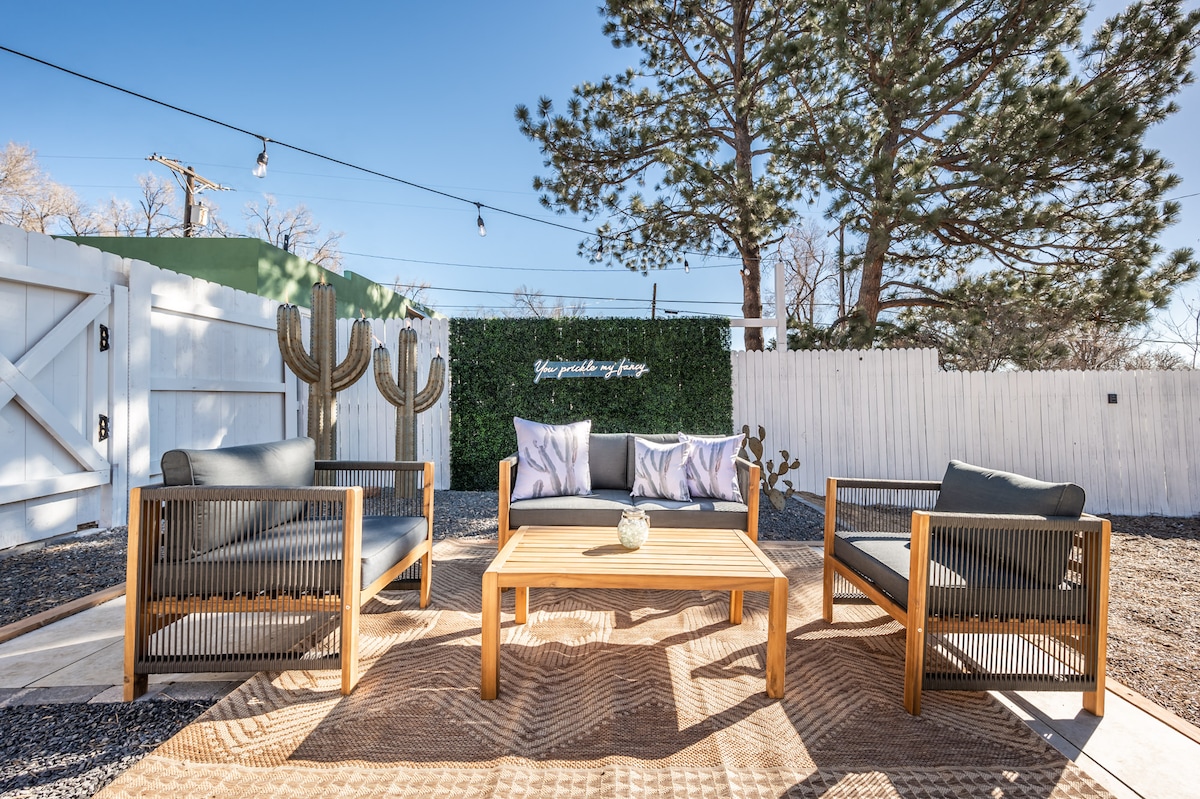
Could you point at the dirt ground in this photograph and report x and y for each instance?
(1154, 610)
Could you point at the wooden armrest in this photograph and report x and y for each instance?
(886, 485)
(371, 466)
(212, 493)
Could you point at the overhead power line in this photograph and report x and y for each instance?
(575, 297)
(312, 153)
(605, 270)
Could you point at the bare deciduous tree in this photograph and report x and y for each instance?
(810, 275)
(156, 217)
(29, 199)
(529, 302)
(416, 291)
(1187, 329)
(294, 229)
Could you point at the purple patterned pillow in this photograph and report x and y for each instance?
(711, 471)
(552, 459)
(660, 470)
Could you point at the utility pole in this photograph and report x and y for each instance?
(841, 270)
(654, 301)
(191, 208)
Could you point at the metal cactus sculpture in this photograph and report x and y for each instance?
(770, 474)
(403, 391)
(319, 367)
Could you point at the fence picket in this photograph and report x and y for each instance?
(896, 414)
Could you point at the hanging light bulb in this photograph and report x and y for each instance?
(479, 219)
(260, 168)
(599, 246)
(686, 266)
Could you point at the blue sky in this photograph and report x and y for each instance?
(417, 90)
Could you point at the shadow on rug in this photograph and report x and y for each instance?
(608, 693)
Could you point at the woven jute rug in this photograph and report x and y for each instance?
(607, 693)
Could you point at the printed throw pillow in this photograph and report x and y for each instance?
(552, 459)
(711, 471)
(660, 470)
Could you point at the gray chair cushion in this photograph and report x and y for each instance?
(960, 585)
(273, 463)
(213, 524)
(974, 489)
(609, 460)
(293, 558)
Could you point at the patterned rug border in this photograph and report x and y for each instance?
(287, 734)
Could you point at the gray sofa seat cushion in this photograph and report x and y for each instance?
(293, 558)
(699, 512)
(600, 508)
(974, 489)
(210, 525)
(960, 584)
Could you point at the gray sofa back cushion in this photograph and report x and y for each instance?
(974, 489)
(608, 458)
(654, 438)
(213, 524)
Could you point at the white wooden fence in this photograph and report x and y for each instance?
(895, 414)
(106, 363)
(168, 361)
(367, 422)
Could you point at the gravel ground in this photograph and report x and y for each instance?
(72, 750)
(75, 750)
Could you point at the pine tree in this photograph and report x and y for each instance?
(677, 154)
(977, 146)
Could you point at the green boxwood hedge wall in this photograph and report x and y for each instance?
(688, 386)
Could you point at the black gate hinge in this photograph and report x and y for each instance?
(104, 429)
(104, 338)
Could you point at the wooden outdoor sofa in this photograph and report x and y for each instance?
(259, 558)
(611, 467)
(1000, 581)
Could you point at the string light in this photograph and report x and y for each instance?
(687, 268)
(260, 167)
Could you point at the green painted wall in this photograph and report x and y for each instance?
(257, 267)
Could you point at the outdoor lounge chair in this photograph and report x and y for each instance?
(1000, 581)
(259, 558)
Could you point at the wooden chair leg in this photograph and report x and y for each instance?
(426, 576)
(827, 592)
(914, 668)
(135, 684)
(914, 621)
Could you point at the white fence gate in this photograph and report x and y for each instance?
(56, 367)
(106, 363)
(1131, 439)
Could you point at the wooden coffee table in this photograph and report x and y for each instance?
(591, 557)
